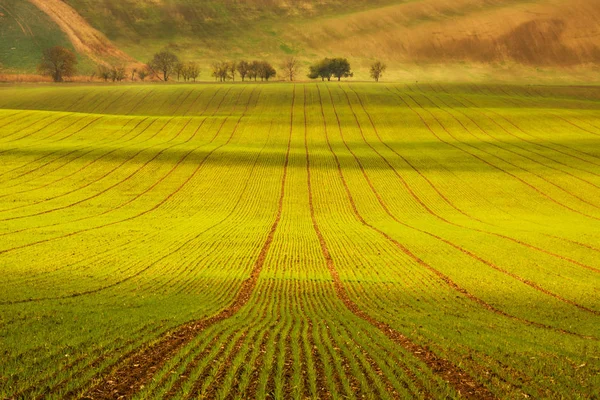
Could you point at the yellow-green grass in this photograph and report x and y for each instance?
(465, 217)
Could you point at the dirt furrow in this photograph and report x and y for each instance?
(126, 379)
(461, 249)
(458, 378)
(517, 241)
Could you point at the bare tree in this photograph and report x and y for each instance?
(133, 72)
(377, 69)
(253, 71)
(192, 70)
(117, 73)
(232, 65)
(164, 63)
(59, 63)
(243, 69)
(104, 72)
(220, 70)
(290, 66)
(179, 67)
(142, 74)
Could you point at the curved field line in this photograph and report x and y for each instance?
(60, 131)
(485, 132)
(488, 163)
(117, 283)
(460, 248)
(508, 162)
(198, 167)
(130, 374)
(517, 241)
(233, 209)
(20, 129)
(117, 167)
(444, 277)
(80, 169)
(535, 143)
(405, 184)
(118, 183)
(458, 378)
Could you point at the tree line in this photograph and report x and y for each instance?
(60, 63)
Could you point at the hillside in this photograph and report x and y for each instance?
(444, 39)
(25, 31)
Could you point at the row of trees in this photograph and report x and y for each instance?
(227, 70)
(165, 64)
(60, 63)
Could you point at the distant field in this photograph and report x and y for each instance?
(299, 241)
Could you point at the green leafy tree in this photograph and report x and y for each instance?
(322, 70)
(340, 68)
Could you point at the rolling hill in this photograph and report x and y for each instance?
(443, 39)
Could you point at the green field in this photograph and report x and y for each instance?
(299, 241)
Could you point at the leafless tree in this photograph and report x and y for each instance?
(220, 70)
(142, 74)
(243, 69)
(179, 67)
(191, 71)
(232, 65)
(290, 67)
(164, 63)
(377, 69)
(59, 63)
(104, 72)
(117, 73)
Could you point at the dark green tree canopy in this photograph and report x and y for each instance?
(328, 67)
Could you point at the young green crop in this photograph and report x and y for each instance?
(299, 241)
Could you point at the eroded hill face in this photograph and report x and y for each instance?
(545, 33)
(459, 35)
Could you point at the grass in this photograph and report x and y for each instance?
(319, 221)
(26, 32)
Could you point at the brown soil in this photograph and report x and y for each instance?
(458, 378)
(85, 39)
(135, 372)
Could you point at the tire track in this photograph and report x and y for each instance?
(117, 283)
(485, 132)
(516, 241)
(80, 169)
(487, 162)
(444, 277)
(129, 374)
(459, 379)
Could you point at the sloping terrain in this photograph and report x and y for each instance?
(307, 241)
(465, 38)
(24, 32)
(539, 33)
(86, 39)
